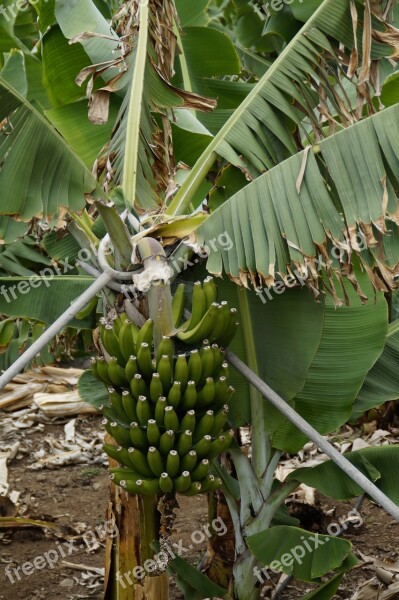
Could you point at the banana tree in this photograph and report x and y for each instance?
(298, 159)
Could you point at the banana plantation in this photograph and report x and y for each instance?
(199, 207)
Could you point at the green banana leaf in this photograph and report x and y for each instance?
(327, 590)
(302, 349)
(85, 138)
(382, 382)
(264, 129)
(379, 464)
(284, 224)
(351, 341)
(92, 391)
(51, 178)
(192, 577)
(298, 552)
(44, 298)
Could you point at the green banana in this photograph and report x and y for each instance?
(165, 348)
(118, 453)
(116, 373)
(194, 489)
(181, 371)
(164, 369)
(198, 307)
(208, 483)
(172, 463)
(118, 474)
(203, 329)
(183, 482)
(139, 462)
(202, 447)
(120, 434)
(224, 370)
(188, 421)
(185, 443)
(221, 444)
(194, 367)
(190, 396)
(145, 334)
(93, 367)
(206, 396)
(167, 442)
(153, 433)
(102, 370)
(225, 399)
(111, 344)
(210, 291)
(117, 405)
(156, 389)
(166, 483)
(155, 461)
(144, 360)
(138, 386)
(159, 412)
(204, 426)
(171, 420)
(221, 390)
(127, 336)
(178, 304)
(143, 410)
(174, 395)
(129, 405)
(201, 470)
(220, 421)
(131, 368)
(117, 322)
(208, 364)
(220, 324)
(144, 487)
(218, 357)
(189, 461)
(229, 333)
(215, 485)
(137, 436)
(88, 309)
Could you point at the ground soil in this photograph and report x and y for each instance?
(78, 494)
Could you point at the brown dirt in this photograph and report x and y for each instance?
(78, 494)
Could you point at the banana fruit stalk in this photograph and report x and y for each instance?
(168, 413)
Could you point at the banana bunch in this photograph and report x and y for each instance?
(209, 319)
(167, 413)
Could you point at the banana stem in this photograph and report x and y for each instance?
(260, 442)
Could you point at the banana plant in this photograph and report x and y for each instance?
(300, 166)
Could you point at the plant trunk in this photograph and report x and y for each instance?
(136, 522)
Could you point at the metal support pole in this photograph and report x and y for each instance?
(313, 435)
(54, 329)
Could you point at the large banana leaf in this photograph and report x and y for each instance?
(352, 339)
(287, 219)
(382, 382)
(43, 298)
(379, 464)
(40, 175)
(264, 129)
(298, 552)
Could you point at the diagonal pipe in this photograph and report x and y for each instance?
(54, 329)
(270, 395)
